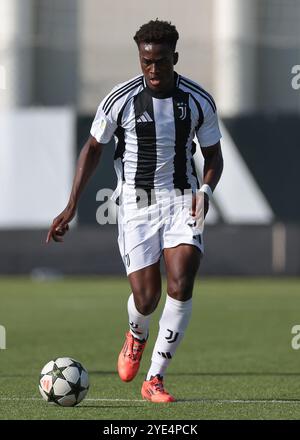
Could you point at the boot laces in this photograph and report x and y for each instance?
(158, 385)
(134, 349)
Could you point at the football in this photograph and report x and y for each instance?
(64, 381)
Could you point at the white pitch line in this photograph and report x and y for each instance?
(179, 401)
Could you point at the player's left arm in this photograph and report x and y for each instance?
(213, 165)
(213, 168)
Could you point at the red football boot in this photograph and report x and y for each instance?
(153, 390)
(130, 357)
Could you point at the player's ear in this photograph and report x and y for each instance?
(175, 58)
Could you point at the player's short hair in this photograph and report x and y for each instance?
(157, 31)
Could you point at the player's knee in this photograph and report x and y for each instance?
(146, 301)
(180, 288)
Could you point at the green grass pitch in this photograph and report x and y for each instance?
(235, 362)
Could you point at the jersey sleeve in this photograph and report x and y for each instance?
(105, 122)
(209, 131)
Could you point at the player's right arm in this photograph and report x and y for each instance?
(103, 128)
(87, 163)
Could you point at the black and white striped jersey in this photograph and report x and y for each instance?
(154, 132)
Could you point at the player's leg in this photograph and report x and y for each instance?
(146, 287)
(182, 263)
(146, 291)
(140, 248)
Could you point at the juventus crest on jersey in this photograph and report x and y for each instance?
(154, 132)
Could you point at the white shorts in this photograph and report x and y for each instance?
(145, 232)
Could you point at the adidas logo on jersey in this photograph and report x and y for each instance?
(145, 117)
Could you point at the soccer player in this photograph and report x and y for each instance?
(154, 118)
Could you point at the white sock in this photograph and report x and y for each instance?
(172, 325)
(138, 323)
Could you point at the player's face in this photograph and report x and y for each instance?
(157, 63)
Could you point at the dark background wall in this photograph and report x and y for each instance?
(270, 146)
(229, 250)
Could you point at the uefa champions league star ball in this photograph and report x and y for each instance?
(64, 381)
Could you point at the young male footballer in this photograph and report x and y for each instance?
(154, 118)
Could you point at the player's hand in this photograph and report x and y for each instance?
(206, 204)
(60, 225)
(200, 206)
